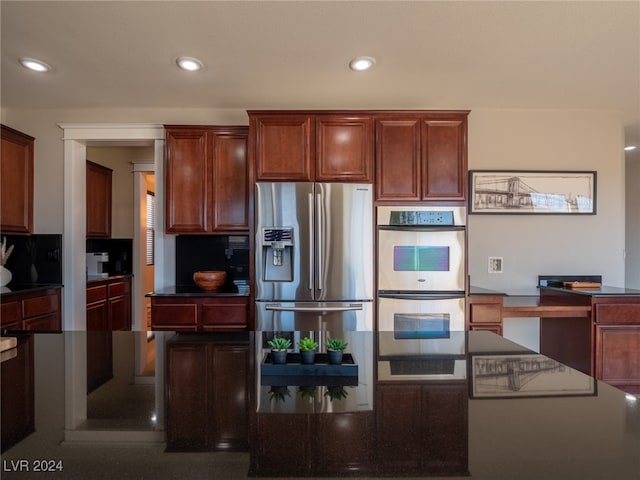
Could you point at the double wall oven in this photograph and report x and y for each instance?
(421, 292)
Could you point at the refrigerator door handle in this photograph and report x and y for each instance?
(310, 205)
(315, 308)
(319, 235)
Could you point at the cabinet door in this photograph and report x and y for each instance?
(187, 397)
(444, 157)
(16, 182)
(399, 446)
(120, 312)
(187, 176)
(618, 356)
(230, 404)
(282, 147)
(398, 159)
(98, 201)
(99, 345)
(230, 193)
(344, 149)
(344, 444)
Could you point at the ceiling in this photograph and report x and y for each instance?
(294, 54)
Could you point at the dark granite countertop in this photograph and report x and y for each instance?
(25, 288)
(194, 291)
(110, 278)
(604, 291)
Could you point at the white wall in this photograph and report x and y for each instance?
(549, 244)
(498, 139)
(633, 220)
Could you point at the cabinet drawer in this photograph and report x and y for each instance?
(118, 288)
(10, 313)
(224, 314)
(174, 314)
(95, 294)
(618, 313)
(42, 305)
(486, 313)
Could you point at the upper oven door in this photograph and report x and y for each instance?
(421, 259)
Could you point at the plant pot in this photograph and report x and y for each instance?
(278, 356)
(307, 357)
(335, 356)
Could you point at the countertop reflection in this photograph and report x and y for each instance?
(515, 414)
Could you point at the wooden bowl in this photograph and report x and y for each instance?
(210, 279)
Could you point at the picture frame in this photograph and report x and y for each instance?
(526, 376)
(532, 192)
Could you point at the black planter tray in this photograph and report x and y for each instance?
(319, 373)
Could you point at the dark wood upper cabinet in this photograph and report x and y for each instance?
(98, 201)
(206, 179)
(282, 145)
(16, 182)
(312, 146)
(344, 148)
(421, 157)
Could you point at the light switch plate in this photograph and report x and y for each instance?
(495, 264)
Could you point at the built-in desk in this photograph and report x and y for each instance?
(594, 331)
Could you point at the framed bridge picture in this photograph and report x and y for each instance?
(532, 192)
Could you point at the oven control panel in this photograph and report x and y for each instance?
(421, 217)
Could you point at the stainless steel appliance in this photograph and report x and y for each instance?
(421, 292)
(314, 256)
(97, 264)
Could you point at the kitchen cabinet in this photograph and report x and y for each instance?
(17, 406)
(306, 146)
(113, 294)
(193, 313)
(421, 156)
(207, 388)
(207, 182)
(436, 444)
(35, 310)
(16, 181)
(617, 338)
(321, 444)
(485, 313)
(98, 201)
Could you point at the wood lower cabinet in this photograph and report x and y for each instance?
(98, 201)
(113, 295)
(437, 444)
(307, 146)
(421, 156)
(207, 389)
(200, 314)
(322, 444)
(36, 310)
(17, 410)
(485, 313)
(16, 181)
(207, 179)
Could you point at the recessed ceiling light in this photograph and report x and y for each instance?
(630, 147)
(35, 65)
(189, 63)
(360, 64)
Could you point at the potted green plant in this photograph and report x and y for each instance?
(335, 350)
(336, 392)
(279, 393)
(307, 348)
(279, 346)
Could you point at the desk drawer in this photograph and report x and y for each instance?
(618, 313)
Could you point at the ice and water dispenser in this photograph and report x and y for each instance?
(278, 255)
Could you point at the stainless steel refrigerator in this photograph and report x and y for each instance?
(314, 256)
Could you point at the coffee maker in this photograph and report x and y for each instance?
(97, 264)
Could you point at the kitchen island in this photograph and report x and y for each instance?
(574, 429)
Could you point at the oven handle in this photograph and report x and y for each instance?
(421, 296)
(341, 308)
(422, 228)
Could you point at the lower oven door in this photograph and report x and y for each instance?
(421, 317)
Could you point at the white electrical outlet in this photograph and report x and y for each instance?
(495, 264)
